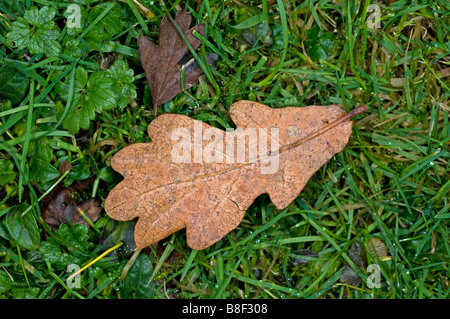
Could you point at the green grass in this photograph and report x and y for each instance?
(390, 183)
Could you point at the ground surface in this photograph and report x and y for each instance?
(73, 91)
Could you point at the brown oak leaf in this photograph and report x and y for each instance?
(201, 178)
(162, 64)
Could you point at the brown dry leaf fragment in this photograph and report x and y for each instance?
(307, 253)
(91, 208)
(378, 248)
(52, 203)
(201, 178)
(162, 64)
(348, 275)
(54, 210)
(59, 206)
(63, 208)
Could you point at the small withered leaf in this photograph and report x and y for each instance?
(162, 65)
(91, 209)
(303, 256)
(209, 190)
(59, 206)
(378, 248)
(348, 275)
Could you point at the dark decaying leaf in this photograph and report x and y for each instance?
(303, 256)
(348, 275)
(210, 198)
(162, 64)
(59, 206)
(357, 253)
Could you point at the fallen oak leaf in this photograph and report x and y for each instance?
(162, 64)
(169, 186)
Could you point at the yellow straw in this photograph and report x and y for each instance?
(96, 259)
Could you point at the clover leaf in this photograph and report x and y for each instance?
(36, 31)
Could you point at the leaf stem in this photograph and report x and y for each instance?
(360, 109)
